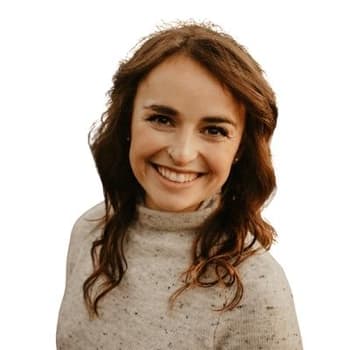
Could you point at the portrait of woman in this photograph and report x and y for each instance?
(177, 256)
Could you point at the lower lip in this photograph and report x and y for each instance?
(174, 184)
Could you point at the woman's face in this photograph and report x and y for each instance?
(185, 131)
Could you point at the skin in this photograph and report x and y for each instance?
(186, 129)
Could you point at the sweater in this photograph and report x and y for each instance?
(136, 315)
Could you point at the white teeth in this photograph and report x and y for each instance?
(176, 177)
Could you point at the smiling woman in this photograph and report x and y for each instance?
(177, 257)
(179, 154)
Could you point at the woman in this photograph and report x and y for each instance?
(177, 256)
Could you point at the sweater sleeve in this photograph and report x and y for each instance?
(265, 318)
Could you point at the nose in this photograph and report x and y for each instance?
(183, 149)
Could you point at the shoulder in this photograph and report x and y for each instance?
(262, 270)
(265, 317)
(266, 287)
(85, 230)
(88, 225)
(89, 220)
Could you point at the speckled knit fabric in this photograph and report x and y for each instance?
(135, 315)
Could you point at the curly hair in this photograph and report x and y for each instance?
(222, 241)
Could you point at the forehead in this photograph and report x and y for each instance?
(184, 84)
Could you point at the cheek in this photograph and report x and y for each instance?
(145, 140)
(224, 169)
(137, 154)
(143, 146)
(138, 142)
(221, 162)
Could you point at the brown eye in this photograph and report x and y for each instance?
(160, 120)
(216, 131)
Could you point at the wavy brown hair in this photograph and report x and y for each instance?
(221, 243)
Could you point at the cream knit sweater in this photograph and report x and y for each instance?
(135, 315)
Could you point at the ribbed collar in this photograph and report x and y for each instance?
(169, 221)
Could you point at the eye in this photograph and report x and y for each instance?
(216, 131)
(160, 120)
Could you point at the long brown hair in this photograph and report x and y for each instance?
(221, 243)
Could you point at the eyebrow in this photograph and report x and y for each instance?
(162, 109)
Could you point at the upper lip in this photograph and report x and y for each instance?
(177, 170)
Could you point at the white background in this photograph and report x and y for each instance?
(57, 61)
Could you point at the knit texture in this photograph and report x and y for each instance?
(135, 315)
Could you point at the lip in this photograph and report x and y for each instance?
(175, 184)
(177, 170)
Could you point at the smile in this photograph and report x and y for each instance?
(179, 177)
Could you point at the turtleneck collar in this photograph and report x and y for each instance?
(170, 221)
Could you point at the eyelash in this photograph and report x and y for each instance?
(219, 129)
(165, 121)
(156, 119)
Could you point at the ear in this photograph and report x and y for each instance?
(241, 148)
